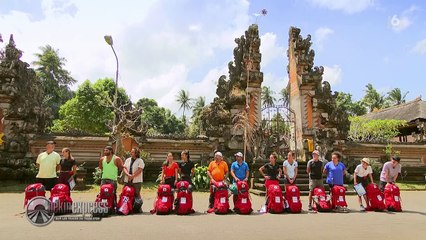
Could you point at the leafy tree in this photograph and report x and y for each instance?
(268, 100)
(285, 96)
(196, 123)
(55, 79)
(159, 119)
(352, 108)
(86, 111)
(396, 97)
(382, 131)
(184, 100)
(372, 99)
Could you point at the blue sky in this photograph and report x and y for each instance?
(165, 46)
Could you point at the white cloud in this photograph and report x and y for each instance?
(321, 35)
(404, 20)
(158, 47)
(347, 6)
(420, 47)
(270, 49)
(333, 74)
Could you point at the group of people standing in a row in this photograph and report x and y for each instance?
(51, 165)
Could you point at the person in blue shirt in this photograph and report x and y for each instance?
(239, 172)
(335, 170)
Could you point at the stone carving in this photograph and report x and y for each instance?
(244, 77)
(317, 116)
(21, 102)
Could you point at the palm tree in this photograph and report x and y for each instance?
(396, 97)
(267, 99)
(372, 99)
(199, 105)
(185, 102)
(285, 97)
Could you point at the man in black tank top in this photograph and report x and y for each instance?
(314, 169)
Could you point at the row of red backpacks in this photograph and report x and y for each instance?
(59, 196)
(389, 200)
(166, 204)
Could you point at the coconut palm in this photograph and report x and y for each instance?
(285, 97)
(199, 104)
(184, 100)
(268, 100)
(396, 97)
(372, 99)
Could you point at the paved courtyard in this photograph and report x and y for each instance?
(409, 224)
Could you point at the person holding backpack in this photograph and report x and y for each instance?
(362, 172)
(390, 172)
(110, 164)
(314, 168)
(217, 172)
(239, 172)
(133, 170)
(335, 170)
(271, 172)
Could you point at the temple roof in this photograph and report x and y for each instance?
(409, 111)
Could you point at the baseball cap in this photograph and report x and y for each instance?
(238, 154)
(218, 154)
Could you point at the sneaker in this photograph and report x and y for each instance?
(362, 208)
(310, 207)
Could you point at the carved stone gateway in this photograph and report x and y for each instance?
(316, 116)
(21, 112)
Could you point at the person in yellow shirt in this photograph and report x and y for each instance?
(48, 163)
(217, 171)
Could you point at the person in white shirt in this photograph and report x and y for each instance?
(133, 170)
(362, 172)
(290, 169)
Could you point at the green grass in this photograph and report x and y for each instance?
(411, 186)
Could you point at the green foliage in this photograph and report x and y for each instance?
(396, 97)
(374, 100)
(379, 131)
(87, 111)
(196, 119)
(389, 151)
(54, 78)
(97, 176)
(184, 101)
(159, 119)
(201, 180)
(268, 100)
(345, 103)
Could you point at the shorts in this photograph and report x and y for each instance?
(313, 183)
(48, 183)
(382, 186)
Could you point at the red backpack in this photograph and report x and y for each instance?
(34, 190)
(321, 203)
(221, 201)
(275, 199)
(375, 198)
(60, 198)
(127, 198)
(392, 198)
(183, 199)
(164, 201)
(292, 196)
(338, 199)
(106, 197)
(243, 203)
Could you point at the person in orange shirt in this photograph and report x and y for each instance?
(217, 171)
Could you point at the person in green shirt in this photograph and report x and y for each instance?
(110, 165)
(48, 163)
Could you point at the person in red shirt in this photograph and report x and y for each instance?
(169, 173)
